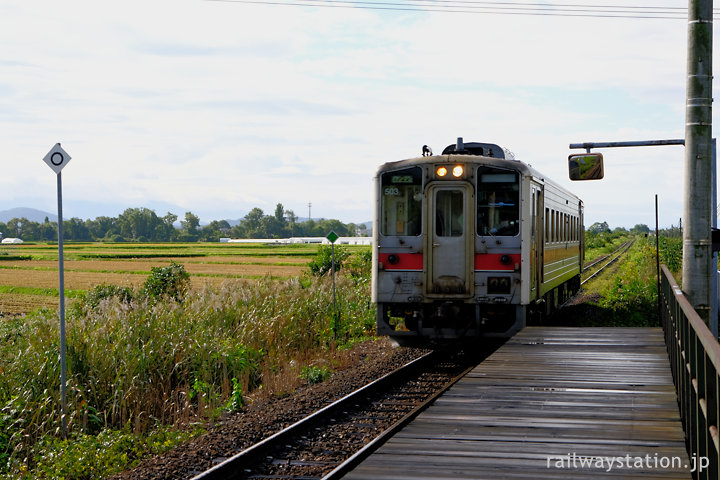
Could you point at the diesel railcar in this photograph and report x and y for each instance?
(470, 244)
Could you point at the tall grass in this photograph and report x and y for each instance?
(135, 363)
(629, 296)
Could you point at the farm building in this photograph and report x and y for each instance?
(12, 240)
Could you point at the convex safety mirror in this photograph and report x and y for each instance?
(586, 166)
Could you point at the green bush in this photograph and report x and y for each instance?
(671, 253)
(171, 281)
(97, 294)
(358, 266)
(322, 263)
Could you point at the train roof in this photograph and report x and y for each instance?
(512, 164)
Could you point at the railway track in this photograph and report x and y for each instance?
(609, 259)
(329, 442)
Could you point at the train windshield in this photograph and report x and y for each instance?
(498, 202)
(401, 202)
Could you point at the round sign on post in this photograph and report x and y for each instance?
(56, 158)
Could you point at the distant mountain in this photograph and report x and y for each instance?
(31, 214)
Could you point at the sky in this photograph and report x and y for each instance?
(217, 107)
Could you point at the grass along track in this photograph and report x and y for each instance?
(597, 267)
(623, 295)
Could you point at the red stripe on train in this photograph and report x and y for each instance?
(414, 261)
(404, 261)
(492, 261)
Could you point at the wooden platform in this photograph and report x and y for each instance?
(546, 404)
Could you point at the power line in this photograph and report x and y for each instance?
(493, 8)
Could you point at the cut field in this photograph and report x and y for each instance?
(29, 272)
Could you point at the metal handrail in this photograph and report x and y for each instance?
(695, 361)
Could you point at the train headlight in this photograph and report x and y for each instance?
(441, 171)
(499, 285)
(457, 171)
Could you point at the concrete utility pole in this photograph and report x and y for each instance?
(697, 245)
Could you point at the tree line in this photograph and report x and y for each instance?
(144, 225)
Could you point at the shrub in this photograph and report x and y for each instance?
(93, 297)
(671, 253)
(359, 266)
(322, 263)
(172, 281)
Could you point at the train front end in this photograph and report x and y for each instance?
(447, 255)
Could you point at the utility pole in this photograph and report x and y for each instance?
(698, 267)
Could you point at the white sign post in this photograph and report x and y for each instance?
(56, 159)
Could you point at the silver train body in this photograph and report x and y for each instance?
(470, 244)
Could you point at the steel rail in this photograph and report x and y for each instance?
(235, 465)
(378, 441)
(604, 257)
(624, 249)
(595, 262)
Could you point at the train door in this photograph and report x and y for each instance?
(536, 238)
(450, 250)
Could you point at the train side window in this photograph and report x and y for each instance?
(547, 225)
(498, 202)
(401, 202)
(561, 227)
(578, 232)
(557, 226)
(574, 229)
(568, 227)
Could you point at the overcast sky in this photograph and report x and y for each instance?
(219, 107)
